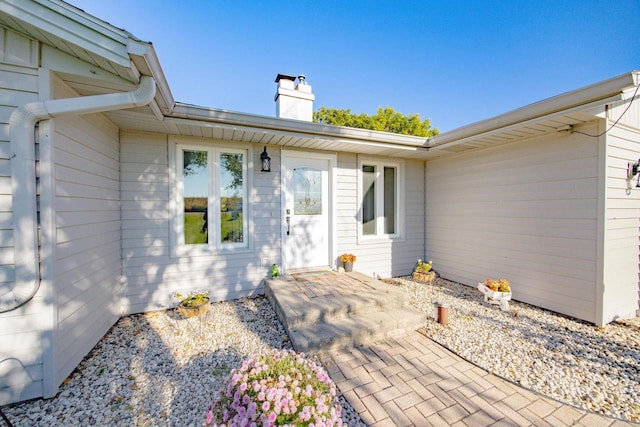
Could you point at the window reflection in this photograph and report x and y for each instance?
(195, 185)
(231, 198)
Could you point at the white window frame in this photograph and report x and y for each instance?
(176, 209)
(380, 164)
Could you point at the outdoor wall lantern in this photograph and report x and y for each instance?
(266, 161)
(632, 170)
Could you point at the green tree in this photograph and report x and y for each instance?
(386, 120)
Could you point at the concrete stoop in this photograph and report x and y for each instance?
(332, 311)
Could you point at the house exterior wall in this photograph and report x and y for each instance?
(22, 330)
(150, 269)
(381, 257)
(86, 253)
(525, 211)
(152, 272)
(621, 275)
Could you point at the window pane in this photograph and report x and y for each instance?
(368, 200)
(196, 197)
(231, 198)
(389, 200)
(307, 191)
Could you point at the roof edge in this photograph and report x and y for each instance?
(186, 111)
(586, 95)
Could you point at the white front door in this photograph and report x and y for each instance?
(307, 214)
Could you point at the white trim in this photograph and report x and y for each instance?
(48, 239)
(176, 215)
(400, 191)
(332, 159)
(601, 212)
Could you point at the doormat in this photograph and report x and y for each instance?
(310, 274)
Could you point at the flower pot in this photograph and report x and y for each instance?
(195, 310)
(494, 297)
(348, 267)
(424, 277)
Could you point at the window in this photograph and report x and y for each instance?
(379, 198)
(211, 193)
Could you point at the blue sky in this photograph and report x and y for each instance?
(455, 62)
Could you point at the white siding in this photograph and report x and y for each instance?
(383, 257)
(21, 330)
(622, 224)
(86, 250)
(525, 211)
(151, 272)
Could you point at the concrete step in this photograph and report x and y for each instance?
(358, 329)
(299, 312)
(339, 311)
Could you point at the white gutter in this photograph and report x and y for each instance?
(589, 94)
(23, 176)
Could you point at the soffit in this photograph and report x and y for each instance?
(288, 133)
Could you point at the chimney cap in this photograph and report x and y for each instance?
(285, 77)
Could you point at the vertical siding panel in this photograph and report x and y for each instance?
(525, 211)
(21, 330)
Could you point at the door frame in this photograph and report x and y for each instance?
(286, 155)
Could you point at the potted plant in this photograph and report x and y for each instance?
(196, 303)
(347, 261)
(423, 272)
(496, 291)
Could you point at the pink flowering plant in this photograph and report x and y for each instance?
(277, 388)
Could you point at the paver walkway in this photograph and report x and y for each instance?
(411, 380)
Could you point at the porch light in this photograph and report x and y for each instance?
(632, 170)
(266, 161)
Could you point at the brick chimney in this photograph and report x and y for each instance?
(294, 101)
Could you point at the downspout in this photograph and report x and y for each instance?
(23, 176)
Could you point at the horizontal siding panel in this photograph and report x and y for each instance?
(525, 211)
(96, 170)
(66, 174)
(621, 289)
(74, 204)
(86, 191)
(151, 272)
(142, 187)
(89, 243)
(66, 234)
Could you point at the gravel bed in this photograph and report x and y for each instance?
(593, 368)
(160, 369)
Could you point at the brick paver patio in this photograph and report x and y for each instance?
(413, 381)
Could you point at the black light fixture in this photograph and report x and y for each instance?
(266, 161)
(632, 170)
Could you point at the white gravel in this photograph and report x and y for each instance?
(597, 369)
(160, 369)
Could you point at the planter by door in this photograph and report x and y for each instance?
(196, 310)
(424, 277)
(348, 267)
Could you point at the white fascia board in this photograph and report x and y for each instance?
(295, 126)
(596, 109)
(576, 98)
(73, 25)
(148, 62)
